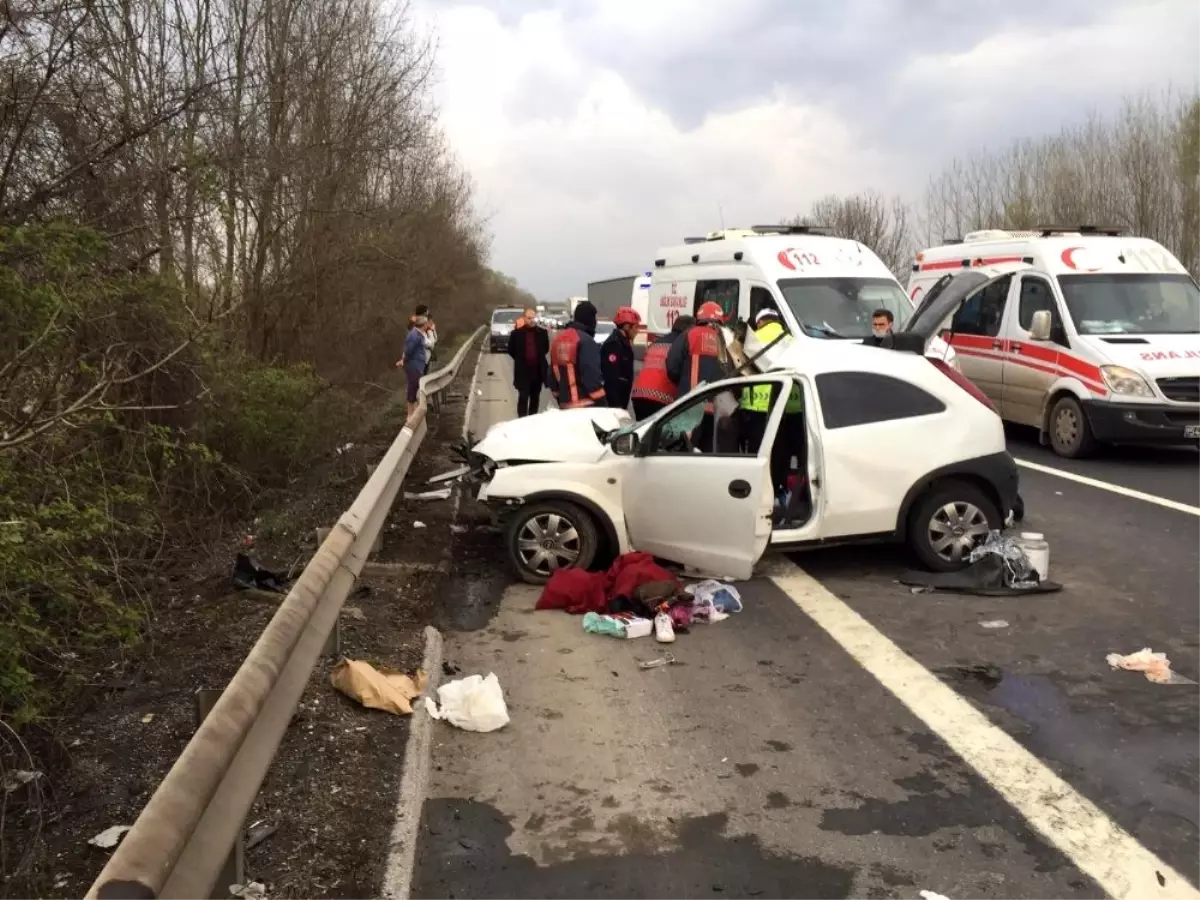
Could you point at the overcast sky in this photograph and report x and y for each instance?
(600, 130)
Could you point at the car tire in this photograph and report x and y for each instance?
(946, 506)
(1070, 432)
(570, 529)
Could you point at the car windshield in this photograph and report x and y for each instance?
(505, 316)
(842, 307)
(1142, 303)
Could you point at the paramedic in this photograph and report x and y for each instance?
(696, 358)
(616, 357)
(881, 327)
(790, 439)
(653, 389)
(574, 375)
(528, 346)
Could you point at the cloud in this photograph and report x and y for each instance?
(600, 130)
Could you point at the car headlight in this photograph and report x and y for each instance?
(1126, 382)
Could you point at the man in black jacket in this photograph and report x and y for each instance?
(616, 357)
(528, 345)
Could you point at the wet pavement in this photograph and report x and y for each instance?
(770, 762)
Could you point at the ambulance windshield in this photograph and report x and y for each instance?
(842, 307)
(1141, 303)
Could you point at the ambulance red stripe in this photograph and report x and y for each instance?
(948, 264)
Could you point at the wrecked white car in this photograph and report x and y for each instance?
(886, 446)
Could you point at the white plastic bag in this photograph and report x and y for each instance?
(473, 703)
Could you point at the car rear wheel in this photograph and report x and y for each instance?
(1070, 431)
(544, 537)
(948, 523)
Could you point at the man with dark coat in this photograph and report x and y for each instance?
(616, 357)
(528, 345)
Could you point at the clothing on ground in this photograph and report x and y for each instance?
(578, 591)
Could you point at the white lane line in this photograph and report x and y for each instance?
(1078, 828)
(1115, 488)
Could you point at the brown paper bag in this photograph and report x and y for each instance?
(384, 689)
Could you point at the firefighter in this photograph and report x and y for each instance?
(574, 375)
(653, 388)
(696, 358)
(616, 357)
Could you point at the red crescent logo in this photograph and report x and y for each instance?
(612, 357)
(915, 291)
(785, 261)
(1068, 259)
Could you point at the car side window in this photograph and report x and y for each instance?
(691, 428)
(1036, 294)
(723, 292)
(860, 398)
(983, 311)
(760, 299)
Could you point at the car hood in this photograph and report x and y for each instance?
(1158, 355)
(557, 435)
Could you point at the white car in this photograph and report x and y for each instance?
(893, 448)
(604, 327)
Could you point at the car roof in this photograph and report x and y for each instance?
(777, 256)
(821, 356)
(1059, 253)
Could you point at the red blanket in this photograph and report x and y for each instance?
(578, 591)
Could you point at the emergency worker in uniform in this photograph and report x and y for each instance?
(574, 375)
(696, 358)
(791, 438)
(616, 357)
(653, 388)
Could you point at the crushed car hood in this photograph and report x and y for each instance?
(557, 435)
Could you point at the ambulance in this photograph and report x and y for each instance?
(824, 287)
(1089, 335)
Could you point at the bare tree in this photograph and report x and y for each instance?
(879, 222)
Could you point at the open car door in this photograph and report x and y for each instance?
(947, 295)
(711, 511)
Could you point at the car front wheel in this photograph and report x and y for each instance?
(950, 521)
(545, 537)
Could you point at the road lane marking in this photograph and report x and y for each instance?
(1088, 838)
(1115, 488)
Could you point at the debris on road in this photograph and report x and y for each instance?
(417, 524)
(109, 837)
(1155, 666)
(473, 703)
(993, 623)
(259, 832)
(998, 567)
(449, 476)
(383, 689)
(595, 623)
(665, 660)
(147, 718)
(255, 890)
(439, 494)
(354, 612)
(19, 778)
(932, 895)
(724, 598)
(248, 574)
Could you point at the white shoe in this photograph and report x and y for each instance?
(664, 631)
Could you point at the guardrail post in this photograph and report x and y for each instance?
(333, 643)
(234, 870)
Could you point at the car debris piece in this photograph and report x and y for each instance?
(932, 895)
(418, 524)
(993, 623)
(665, 660)
(248, 574)
(19, 778)
(448, 476)
(440, 494)
(354, 612)
(259, 832)
(109, 837)
(473, 703)
(1155, 666)
(254, 890)
(383, 689)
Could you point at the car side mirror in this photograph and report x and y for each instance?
(625, 444)
(1039, 328)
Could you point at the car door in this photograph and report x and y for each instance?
(1030, 367)
(707, 510)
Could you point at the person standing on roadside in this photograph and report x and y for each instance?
(528, 345)
(653, 388)
(616, 357)
(415, 359)
(574, 375)
(430, 338)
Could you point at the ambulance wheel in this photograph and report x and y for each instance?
(1070, 431)
(544, 537)
(949, 522)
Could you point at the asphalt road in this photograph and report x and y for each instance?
(843, 736)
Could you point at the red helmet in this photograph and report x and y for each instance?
(627, 315)
(710, 312)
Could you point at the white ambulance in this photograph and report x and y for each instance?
(824, 287)
(1087, 335)
(640, 301)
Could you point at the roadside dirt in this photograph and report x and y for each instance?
(330, 794)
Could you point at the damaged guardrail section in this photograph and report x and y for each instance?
(189, 833)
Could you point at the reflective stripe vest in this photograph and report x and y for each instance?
(758, 398)
(652, 382)
(564, 363)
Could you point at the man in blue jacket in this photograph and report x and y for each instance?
(415, 359)
(574, 375)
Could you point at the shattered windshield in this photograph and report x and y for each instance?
(1154, 303)
(842, 307)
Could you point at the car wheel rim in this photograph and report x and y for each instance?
(1066, 426)
(955, 529)
(548, 542)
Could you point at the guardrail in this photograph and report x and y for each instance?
(190, 832)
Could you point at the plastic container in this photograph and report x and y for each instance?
(636, 628)
(1037, 551)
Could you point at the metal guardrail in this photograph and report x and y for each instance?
(190, 832)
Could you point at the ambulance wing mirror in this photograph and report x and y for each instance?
(1039, 328)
